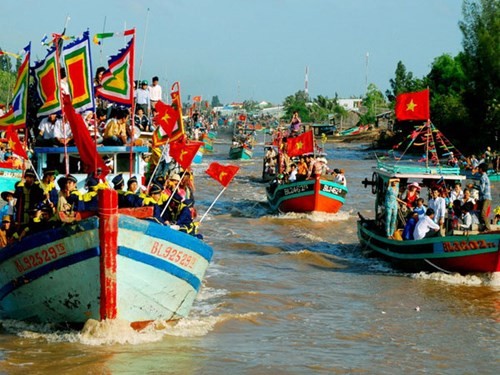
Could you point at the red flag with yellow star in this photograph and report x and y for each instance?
(184, 153)
(224, 174)
(413, 106)
(14, 143)
(166, 117)
(301, 144)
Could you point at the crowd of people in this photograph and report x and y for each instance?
(448, 208)
(40, 204)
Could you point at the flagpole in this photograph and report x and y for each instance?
(144, 46)
(209, 208)
(157, 166)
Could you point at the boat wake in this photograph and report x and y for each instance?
(480, 279)
(320, 217)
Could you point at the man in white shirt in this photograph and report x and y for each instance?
(438, 205)
(155, 92)
(424, 226)
(46, 130)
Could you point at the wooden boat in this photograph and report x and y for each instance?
(457, 251)
(110, 264)
(240, 152)
(316, 195)
(9, 177)
(208, 141)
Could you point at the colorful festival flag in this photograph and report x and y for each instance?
(16, 115)
(197, 98)
(184, 153)
(166, 117)
(47, 83)
(97, 37)
(178, 131)
(76, 56)
(243, 118)
(14, 143)
(117, 82)
(89, 157)
(413, 106)
(160, 137)
(224, 174)
(301, 144)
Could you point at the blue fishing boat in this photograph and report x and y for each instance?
(240, 152)
(116, 263)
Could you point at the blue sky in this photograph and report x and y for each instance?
(253, 49)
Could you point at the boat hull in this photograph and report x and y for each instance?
(463, 254)
(242, 153)
(307, 196)
(118, 268)
(9, 177)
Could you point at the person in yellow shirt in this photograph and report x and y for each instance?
(115, 133)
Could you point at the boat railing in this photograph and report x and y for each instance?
(420, 169)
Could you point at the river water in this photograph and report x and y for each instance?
(287, 294)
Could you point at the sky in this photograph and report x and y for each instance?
(252, 49)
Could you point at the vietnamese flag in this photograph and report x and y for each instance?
(413, 106)
(166, 117)
(184, 153)
(222, 173)
(301, 144)
(243, 118)
(14, 143)
(197, 99)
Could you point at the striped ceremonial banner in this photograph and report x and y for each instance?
(47, 82)
(16, 115)
(77, 60)
(117, 80)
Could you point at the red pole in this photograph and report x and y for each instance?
(108, 240)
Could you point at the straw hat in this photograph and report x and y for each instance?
(415, 185)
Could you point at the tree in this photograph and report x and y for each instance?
(216, 102)
(7, 82)
(5, 63)
(374, 101)
(403, 82)
(250, 106)
(481, 64)
(297, 102)
(447, 82)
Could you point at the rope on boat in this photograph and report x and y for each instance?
(437, 267)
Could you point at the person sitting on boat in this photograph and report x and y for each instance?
(412, 194)
(125, 198)
(292, 176)
(28, 195)
(391, 207)
(438, 205)
(426, 227)
(95, 132)
(142, 121)
(12, 161)
(411, 222)
(295, 124)
(420, 208)
(115, 133)
(49, 187)
(178, 215)
(173, 185)
(468, 219)
(187, 184)
(457, 192)
(40, 219)
(91, 197)
(63, 136)
(132, 185)
(9, 208)
(46, 130)
(339, 177)
(6, 231)
(73, 196)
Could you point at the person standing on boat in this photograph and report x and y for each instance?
(438, 205)
(424, 226)
(484, 203)
(391, 207)
(143, 98)
(295, 124)
(155, 92)
(412, 194)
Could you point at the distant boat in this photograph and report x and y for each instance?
(316, 195)
(240, 152)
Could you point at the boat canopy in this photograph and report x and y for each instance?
(412, 171)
